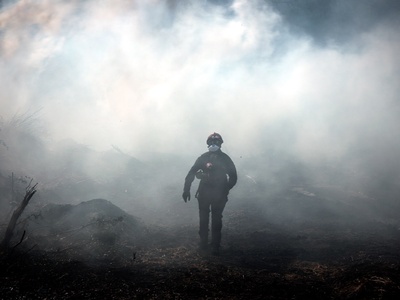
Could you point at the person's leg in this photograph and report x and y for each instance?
(204, 216)
(217, 207)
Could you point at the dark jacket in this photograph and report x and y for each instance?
(215, 169)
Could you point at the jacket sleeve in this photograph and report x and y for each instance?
(231, 171)
(191, 174)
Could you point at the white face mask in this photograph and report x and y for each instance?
(213, 148)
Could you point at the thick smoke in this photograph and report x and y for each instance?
(275, 79)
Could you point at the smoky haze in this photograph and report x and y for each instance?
(302, 93)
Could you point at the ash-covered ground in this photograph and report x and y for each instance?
(306, 243)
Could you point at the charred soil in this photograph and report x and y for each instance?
(324, 257)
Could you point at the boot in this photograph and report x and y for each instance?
(215, 250)
(203, 244)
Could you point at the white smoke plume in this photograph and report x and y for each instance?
(162, 75)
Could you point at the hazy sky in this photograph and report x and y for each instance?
(318, 80)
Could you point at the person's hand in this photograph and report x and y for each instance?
(186, 196)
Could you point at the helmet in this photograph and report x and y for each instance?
(215, 137)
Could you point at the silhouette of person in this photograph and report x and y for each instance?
(217, 174)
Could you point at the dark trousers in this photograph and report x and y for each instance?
(211, 200)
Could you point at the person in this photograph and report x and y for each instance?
(217, 174)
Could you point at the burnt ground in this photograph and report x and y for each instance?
(311, 251)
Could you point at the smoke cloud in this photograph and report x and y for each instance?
(160, 76)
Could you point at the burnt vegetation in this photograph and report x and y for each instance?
(106, 225)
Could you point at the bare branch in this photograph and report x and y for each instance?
(30, 191)
(22, 239)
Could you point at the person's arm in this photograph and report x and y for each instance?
(189, 179)
(231, 171)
